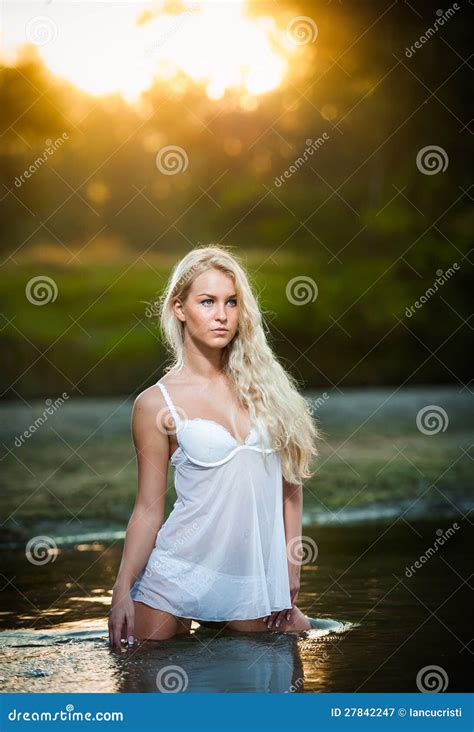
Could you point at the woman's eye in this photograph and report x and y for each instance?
(232, 300)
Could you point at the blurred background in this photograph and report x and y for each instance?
(330, 145)
(145, 129)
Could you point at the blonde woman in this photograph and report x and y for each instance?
(240, 438)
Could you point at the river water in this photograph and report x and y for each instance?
(377, 624)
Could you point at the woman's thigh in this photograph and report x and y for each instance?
(298, 622)
(153, 624)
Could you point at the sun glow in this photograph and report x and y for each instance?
(106, 47)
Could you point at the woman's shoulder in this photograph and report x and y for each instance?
(150, 398)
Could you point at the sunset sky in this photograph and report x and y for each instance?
(104, 47)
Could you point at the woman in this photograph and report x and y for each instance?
(240, 438)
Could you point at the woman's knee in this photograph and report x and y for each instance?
(153, 624)
(298, 621)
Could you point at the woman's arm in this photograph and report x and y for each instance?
(152, 452)
(293, 518)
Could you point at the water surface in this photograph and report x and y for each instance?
(54, 622)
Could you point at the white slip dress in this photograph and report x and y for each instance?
(221, 553)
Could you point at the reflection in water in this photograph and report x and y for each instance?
(55, 628)
(76, 657)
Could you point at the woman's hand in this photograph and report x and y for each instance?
(121, 617)
(276, 617)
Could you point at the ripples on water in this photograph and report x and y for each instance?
(54, 620)
(78, 659)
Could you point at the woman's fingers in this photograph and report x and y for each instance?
(110, 631)
(113, 632)
(276, 618)
(130, 629)
(279, 617)
(122, 624)
(271, 618)
(117, 626)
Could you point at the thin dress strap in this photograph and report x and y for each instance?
(169, 402)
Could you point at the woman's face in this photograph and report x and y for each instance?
(211, 311)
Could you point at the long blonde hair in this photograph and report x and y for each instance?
(259, 381)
